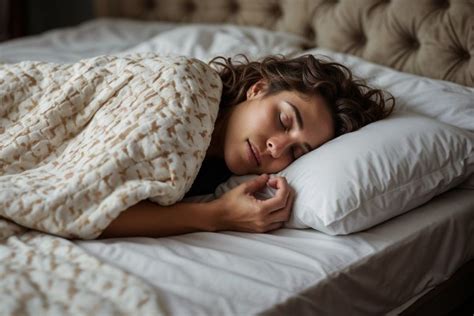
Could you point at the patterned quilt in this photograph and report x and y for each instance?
(80, 143)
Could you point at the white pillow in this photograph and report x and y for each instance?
(205, 41)
(368, 176)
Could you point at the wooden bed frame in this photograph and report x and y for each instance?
(410, 36)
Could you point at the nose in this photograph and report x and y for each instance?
(277, 145)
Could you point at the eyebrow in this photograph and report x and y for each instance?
(299, 122)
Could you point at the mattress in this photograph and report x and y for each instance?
(380, 270)
(302, 272)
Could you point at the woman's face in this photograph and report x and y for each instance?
(264, 134)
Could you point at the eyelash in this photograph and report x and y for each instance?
(281, 122)
(285, 128)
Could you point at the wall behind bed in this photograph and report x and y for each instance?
(44, 15)
(29, 17)
(433, 38)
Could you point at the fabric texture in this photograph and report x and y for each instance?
(289, 271)
(82, 142)
(206, 41)
(42, 274)
(79, 143)
(407, 35)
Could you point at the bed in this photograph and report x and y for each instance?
(420, 262)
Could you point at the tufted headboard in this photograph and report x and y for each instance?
(432, 38)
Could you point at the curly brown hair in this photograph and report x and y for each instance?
(352, 102)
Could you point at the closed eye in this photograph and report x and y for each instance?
(293, 151)
(298, 152)
(281, 121)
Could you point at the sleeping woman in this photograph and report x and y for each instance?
(271, 113)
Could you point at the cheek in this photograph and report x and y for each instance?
(256, 117)
(285, 162)
(252, 121)
(277, 165)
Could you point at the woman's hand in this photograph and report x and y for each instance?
(241, 211)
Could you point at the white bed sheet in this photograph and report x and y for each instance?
(302, 272)
(288, 271)
(93, 38)
(122, 36)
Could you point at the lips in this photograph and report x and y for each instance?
(254, 152)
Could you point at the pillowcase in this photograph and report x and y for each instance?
(384, 169)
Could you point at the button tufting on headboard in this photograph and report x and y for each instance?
(361, 39)
(309, 33)
(464, 54)
(189, 6)
(276, 11)
(233, 6)
(413, 43)
(149, 4)
(444, 4)
(433, 38)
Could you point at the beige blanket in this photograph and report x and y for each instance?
(80, 143)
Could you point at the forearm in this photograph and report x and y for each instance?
(149, 219)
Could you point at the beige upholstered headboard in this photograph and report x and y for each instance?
(432, 38)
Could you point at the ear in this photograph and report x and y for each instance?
(257, 89)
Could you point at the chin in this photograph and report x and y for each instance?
(237, 171)
(239, 168)
(234, 163)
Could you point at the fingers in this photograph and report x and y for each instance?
(283, 215)
(253, 215)
(281, 197)
(256, 183)
(274, 182)
(278, 218)
(274, 226)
